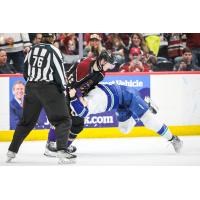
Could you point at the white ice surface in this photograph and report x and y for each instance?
(155, 151)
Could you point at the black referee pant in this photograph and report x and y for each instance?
(47, 95)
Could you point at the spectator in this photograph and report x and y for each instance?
(137, 40)
(185, 64)
(69, 45)
(15, 44)
(193, 42)
(38, 38)
(69, 48)
(118, 49)
(86, 38)
(94, 47)
(16, 104)
(135, 64)
(176, 44)
(163, 53)
(5, 67)
(148, 59)
(31, 37)
(109, 41)
(126, 39)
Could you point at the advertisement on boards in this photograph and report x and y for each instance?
(16, 96)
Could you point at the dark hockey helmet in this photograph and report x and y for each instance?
(107, 56)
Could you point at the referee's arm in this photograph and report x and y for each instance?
(59, 72)
(26, 63)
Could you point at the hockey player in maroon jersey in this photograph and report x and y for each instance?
(82, 76)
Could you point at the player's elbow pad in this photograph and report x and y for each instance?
(78, 108)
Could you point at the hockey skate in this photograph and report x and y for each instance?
(64, 157)
(177, 144)
(10, 155)
(71, 149)
(51, 150)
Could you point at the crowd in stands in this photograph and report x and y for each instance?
(134, 52)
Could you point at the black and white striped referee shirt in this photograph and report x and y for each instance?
(44, 62)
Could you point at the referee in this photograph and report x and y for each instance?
(46, 83)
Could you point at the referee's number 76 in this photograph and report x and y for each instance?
(38, 60)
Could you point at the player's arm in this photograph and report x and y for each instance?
(79, 109)
(72, 94)
(84, 106)
(78, 105)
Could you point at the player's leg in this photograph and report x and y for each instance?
(126, 126)
(76, 128)
(141, 109)
(152, 122)
(125, 121)
(51, 135)
(50, 148)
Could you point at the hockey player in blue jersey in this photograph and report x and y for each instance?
(127, 104)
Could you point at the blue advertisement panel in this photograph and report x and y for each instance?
(17, 92)
(108, 119)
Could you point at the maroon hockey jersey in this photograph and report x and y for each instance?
(82, 75)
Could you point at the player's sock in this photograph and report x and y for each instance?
(152, 122)
(165, 132)
(51, 136)
(72, 137)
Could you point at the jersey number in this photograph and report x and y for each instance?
(38, 60)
